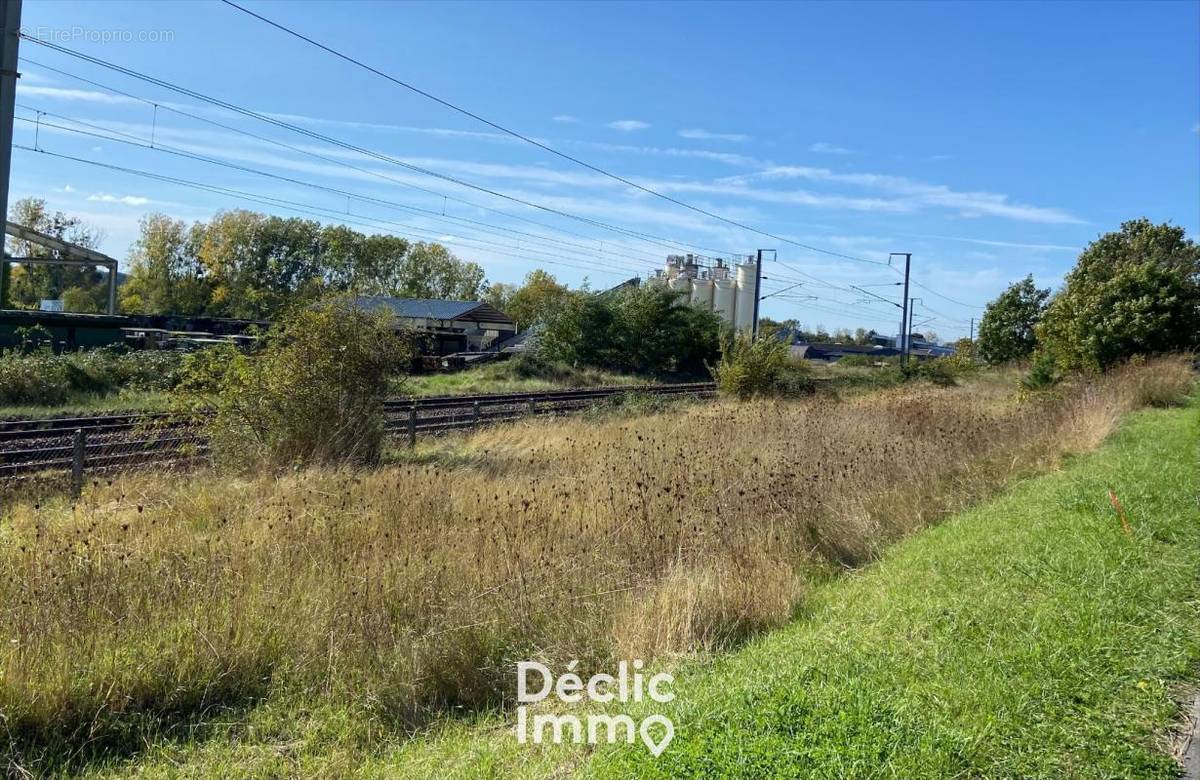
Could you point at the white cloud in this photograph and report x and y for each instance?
(940, 157)
(918, 194)
(1009, 244)
(821, 147)
(628, 125)
(76, 95)
(128, 200)
(706, 135)
(565, 119)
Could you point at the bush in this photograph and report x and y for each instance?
(313, 394)
(645, 329)
(45, 379)
(757, 368)
(868, 361)
(1043, 373)
(38, 378)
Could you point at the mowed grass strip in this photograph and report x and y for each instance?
(1029, 637)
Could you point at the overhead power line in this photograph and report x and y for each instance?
(298, 207)
(546, 147)
(947, 297)
(130, 140)
(668, 243)
(638, 235)
(344, 164)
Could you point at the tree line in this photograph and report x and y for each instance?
(238, 264)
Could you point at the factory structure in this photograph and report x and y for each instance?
(730, 290)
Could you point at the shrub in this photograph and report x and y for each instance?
(1043, 373)
(38, 378)
(760, 368)
(42, 378)
(939, 371)
(645, 329)
(313, 394)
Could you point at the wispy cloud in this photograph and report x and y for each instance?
(1008, 244)
(823, 147)
(77, 95)
(940, 157)
(628, 125)
(919, 194)
(127, 200)
(565, 119)
(700, 134)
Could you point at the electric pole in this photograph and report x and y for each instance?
(912, 310)
(757, 292)
(972, 337)
(902, 343)
(10, 37)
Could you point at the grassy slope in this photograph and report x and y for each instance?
(1026, 638)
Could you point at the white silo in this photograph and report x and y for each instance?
(681, 284)
(702, 293)
(744, 311)
(724, 300)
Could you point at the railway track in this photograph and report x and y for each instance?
(103, 442)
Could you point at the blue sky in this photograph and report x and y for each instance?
(991, 140)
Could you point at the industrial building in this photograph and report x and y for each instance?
(727, 290)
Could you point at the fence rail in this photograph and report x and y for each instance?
(103, 442)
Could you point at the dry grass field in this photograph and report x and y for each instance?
(156, 605)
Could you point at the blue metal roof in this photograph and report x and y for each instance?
(433, 308)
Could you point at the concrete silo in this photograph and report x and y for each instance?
(702, 294)
(744, 310)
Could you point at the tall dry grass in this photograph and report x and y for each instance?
(153, 604)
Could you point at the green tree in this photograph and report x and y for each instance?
(534, 300)
(642, 329)
(165, 276)
(1132, 291)
(433, 271)
(1006, 331)
(499, 295)
(85, 288)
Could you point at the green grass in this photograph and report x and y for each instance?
(93, 403)
(511, 377)
(1029, 637)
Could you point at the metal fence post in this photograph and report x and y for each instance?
(77, 462)
(412, 425)
(532, 406)
(475, 414)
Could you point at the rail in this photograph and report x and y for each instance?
(102, 442)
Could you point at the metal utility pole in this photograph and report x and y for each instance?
(757, 292)
(10, 36)
(972, 337)
(903, 342)
(912, 311)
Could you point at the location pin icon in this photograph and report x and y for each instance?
(656, 747)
